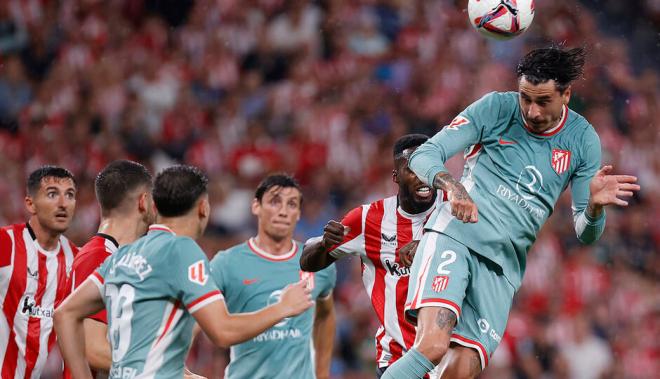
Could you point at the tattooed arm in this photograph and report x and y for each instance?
(462, 206)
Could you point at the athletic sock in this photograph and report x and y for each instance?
(413, 365)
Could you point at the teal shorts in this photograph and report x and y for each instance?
(445, 273)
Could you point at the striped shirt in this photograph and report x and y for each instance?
(33, 282)
(377, 232)
(90, 257)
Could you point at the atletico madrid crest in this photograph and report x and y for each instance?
(309, 277)
(440, 283)
(561, 160)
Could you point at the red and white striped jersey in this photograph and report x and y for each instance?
(33, 282)
(377, 232)
(88, 259)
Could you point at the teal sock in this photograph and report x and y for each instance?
(413, 365)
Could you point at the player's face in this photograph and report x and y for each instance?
(541, 104)
(412, 191)
(54, 203)
(278, 212)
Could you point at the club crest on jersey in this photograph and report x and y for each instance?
(197, 273)
(456, 122)
(561, 160)
(440, 283)
(309, 277)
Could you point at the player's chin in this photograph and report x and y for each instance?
(60, 226)
(423, 199)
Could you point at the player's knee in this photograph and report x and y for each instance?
(433, 347)
(464, 364)
(435, 328)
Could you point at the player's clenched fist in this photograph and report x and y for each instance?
(333, 233)
(296, 298)
(462, 206)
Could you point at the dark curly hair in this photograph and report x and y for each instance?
(552, 63)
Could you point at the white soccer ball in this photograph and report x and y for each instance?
(501, 19)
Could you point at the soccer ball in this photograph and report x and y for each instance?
(501, 19)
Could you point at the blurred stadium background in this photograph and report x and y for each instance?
(321, 89)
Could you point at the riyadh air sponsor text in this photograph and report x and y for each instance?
(510, 195)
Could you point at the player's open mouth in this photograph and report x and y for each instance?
(61, 216)
(424, 191)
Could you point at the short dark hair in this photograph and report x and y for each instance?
(275, 180)
(177, 189)
(35, 178)
(117, 180)
(552, 63)
(406, 142)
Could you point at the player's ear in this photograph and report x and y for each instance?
(204, 208)
(395, 176)
(255, 206)
(29, 205)
(143, 202)
(566, 96)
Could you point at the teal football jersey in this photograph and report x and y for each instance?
(251, 279)
(515, 177)
(150, 289)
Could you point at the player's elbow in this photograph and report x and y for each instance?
(98, 356)
(223, 339)
(60, 317)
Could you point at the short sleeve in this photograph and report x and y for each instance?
(217, 270)
(98, 276)
(353, 240)
(83, 267)
(190, 278)
(5, 248)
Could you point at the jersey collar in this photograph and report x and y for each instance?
(36, 242)
(264, 254)
(110, 238)
(552, 131)
(160, 228)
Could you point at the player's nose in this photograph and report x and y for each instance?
(533, 112)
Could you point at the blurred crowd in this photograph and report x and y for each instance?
(321, 89)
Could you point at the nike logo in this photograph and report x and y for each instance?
(503, 142)
(249, 281)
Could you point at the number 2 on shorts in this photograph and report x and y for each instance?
(450, 257)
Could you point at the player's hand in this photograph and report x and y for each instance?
(296, 298)
(407, 253)
(333, 234)
(608, 189)
(462, 206)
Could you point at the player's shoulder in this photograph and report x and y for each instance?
(230, 254)
(580, 125)
(95, 251)
(98, 245)
(496, 98)
(581, 136)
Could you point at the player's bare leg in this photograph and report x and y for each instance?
(434, 328)
(460, 362)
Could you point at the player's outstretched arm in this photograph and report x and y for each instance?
(324, 333)
(225, 329)
(606, 189)
(69, 326)
(315, 256)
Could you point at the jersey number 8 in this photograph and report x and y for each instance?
(121, 314)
